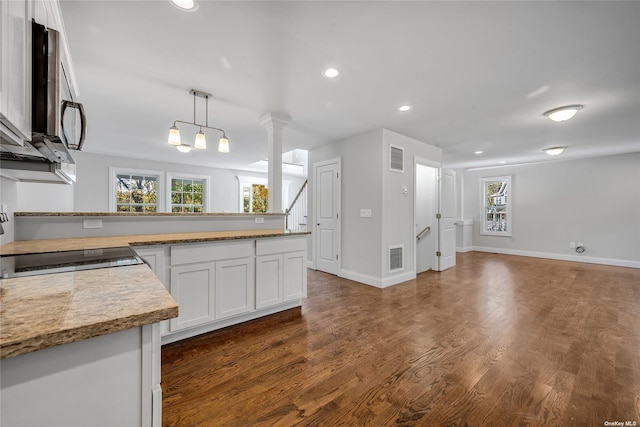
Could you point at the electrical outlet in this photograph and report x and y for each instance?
(579, 244)
(365, 213)
(572, 245)
(92, 223)
(259, 220)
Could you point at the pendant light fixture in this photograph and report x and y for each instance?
(200, 142)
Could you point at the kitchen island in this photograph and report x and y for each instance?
(75, 346)
(81, 344)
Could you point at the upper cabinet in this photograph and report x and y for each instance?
(15, 71)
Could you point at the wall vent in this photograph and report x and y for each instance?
(396, 158)
(396, 258)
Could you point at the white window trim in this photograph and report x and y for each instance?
(483, 207)
(244, 181)
(114, 171)
(180, 175)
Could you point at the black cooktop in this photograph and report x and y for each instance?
(58, 262)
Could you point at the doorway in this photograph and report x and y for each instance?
(426, 227)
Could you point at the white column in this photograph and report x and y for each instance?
(275, 124)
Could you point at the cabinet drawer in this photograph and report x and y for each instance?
(192, 252)
(279, 246)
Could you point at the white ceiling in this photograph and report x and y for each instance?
(479, 75)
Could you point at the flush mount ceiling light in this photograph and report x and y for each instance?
(404, 108)
(554, 151)
(331, 73)
(562, 114)
(478, 152)
(188, 5)
(200, 142)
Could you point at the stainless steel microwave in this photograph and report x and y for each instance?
(57, 121)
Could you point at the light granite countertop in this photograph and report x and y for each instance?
(79, 243)
(42, 311)
(39, 312)
(149, 214)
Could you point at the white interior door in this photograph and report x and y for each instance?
(426, 205)
(446, 223)
(327, 215)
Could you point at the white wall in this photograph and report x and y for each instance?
(367, 183)
(92, 186)
(398, 207)
(593, 201)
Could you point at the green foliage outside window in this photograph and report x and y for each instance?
(260, 197)
(136, 193)
(187, 195)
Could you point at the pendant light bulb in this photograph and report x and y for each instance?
(201, 142)
(223, 146)
(183, 148)
(174, 135)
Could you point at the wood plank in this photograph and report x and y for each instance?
(497, 340)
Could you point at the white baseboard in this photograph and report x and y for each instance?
(465, 249)
(311, 265)
(377, 281)
(561, 257)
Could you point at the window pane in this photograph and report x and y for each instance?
(136, 193)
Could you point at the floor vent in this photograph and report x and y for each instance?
(396, 159)
(396, 258)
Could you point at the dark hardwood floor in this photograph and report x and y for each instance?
(496, 341)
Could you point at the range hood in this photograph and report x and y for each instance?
(46, 164)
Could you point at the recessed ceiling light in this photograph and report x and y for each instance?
(188, 5)
(502, 162)
(554, 151)
(562, 114)
(331, 73)
(404, 108)
(478, 152)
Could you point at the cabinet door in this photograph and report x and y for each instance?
(193, 288)
(269, 271)
(234, 287)
(294, 281)
(15, 77)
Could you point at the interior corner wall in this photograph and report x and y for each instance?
(361, 189)
(593, 201)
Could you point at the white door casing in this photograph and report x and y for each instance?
(327, 215)
(426, 204)
(446, 223)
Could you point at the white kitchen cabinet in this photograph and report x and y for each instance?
(193, 288)
(211, 281)
(269, 269)
(222, 283)
(294, 277)
(234, 283)
(156, 258)
(109, 380)
(281, 273)
(15, 71)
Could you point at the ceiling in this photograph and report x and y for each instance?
(479, 75)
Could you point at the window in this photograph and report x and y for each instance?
(188, 193)
(254, 194)
(496, 206)
(136, 192)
